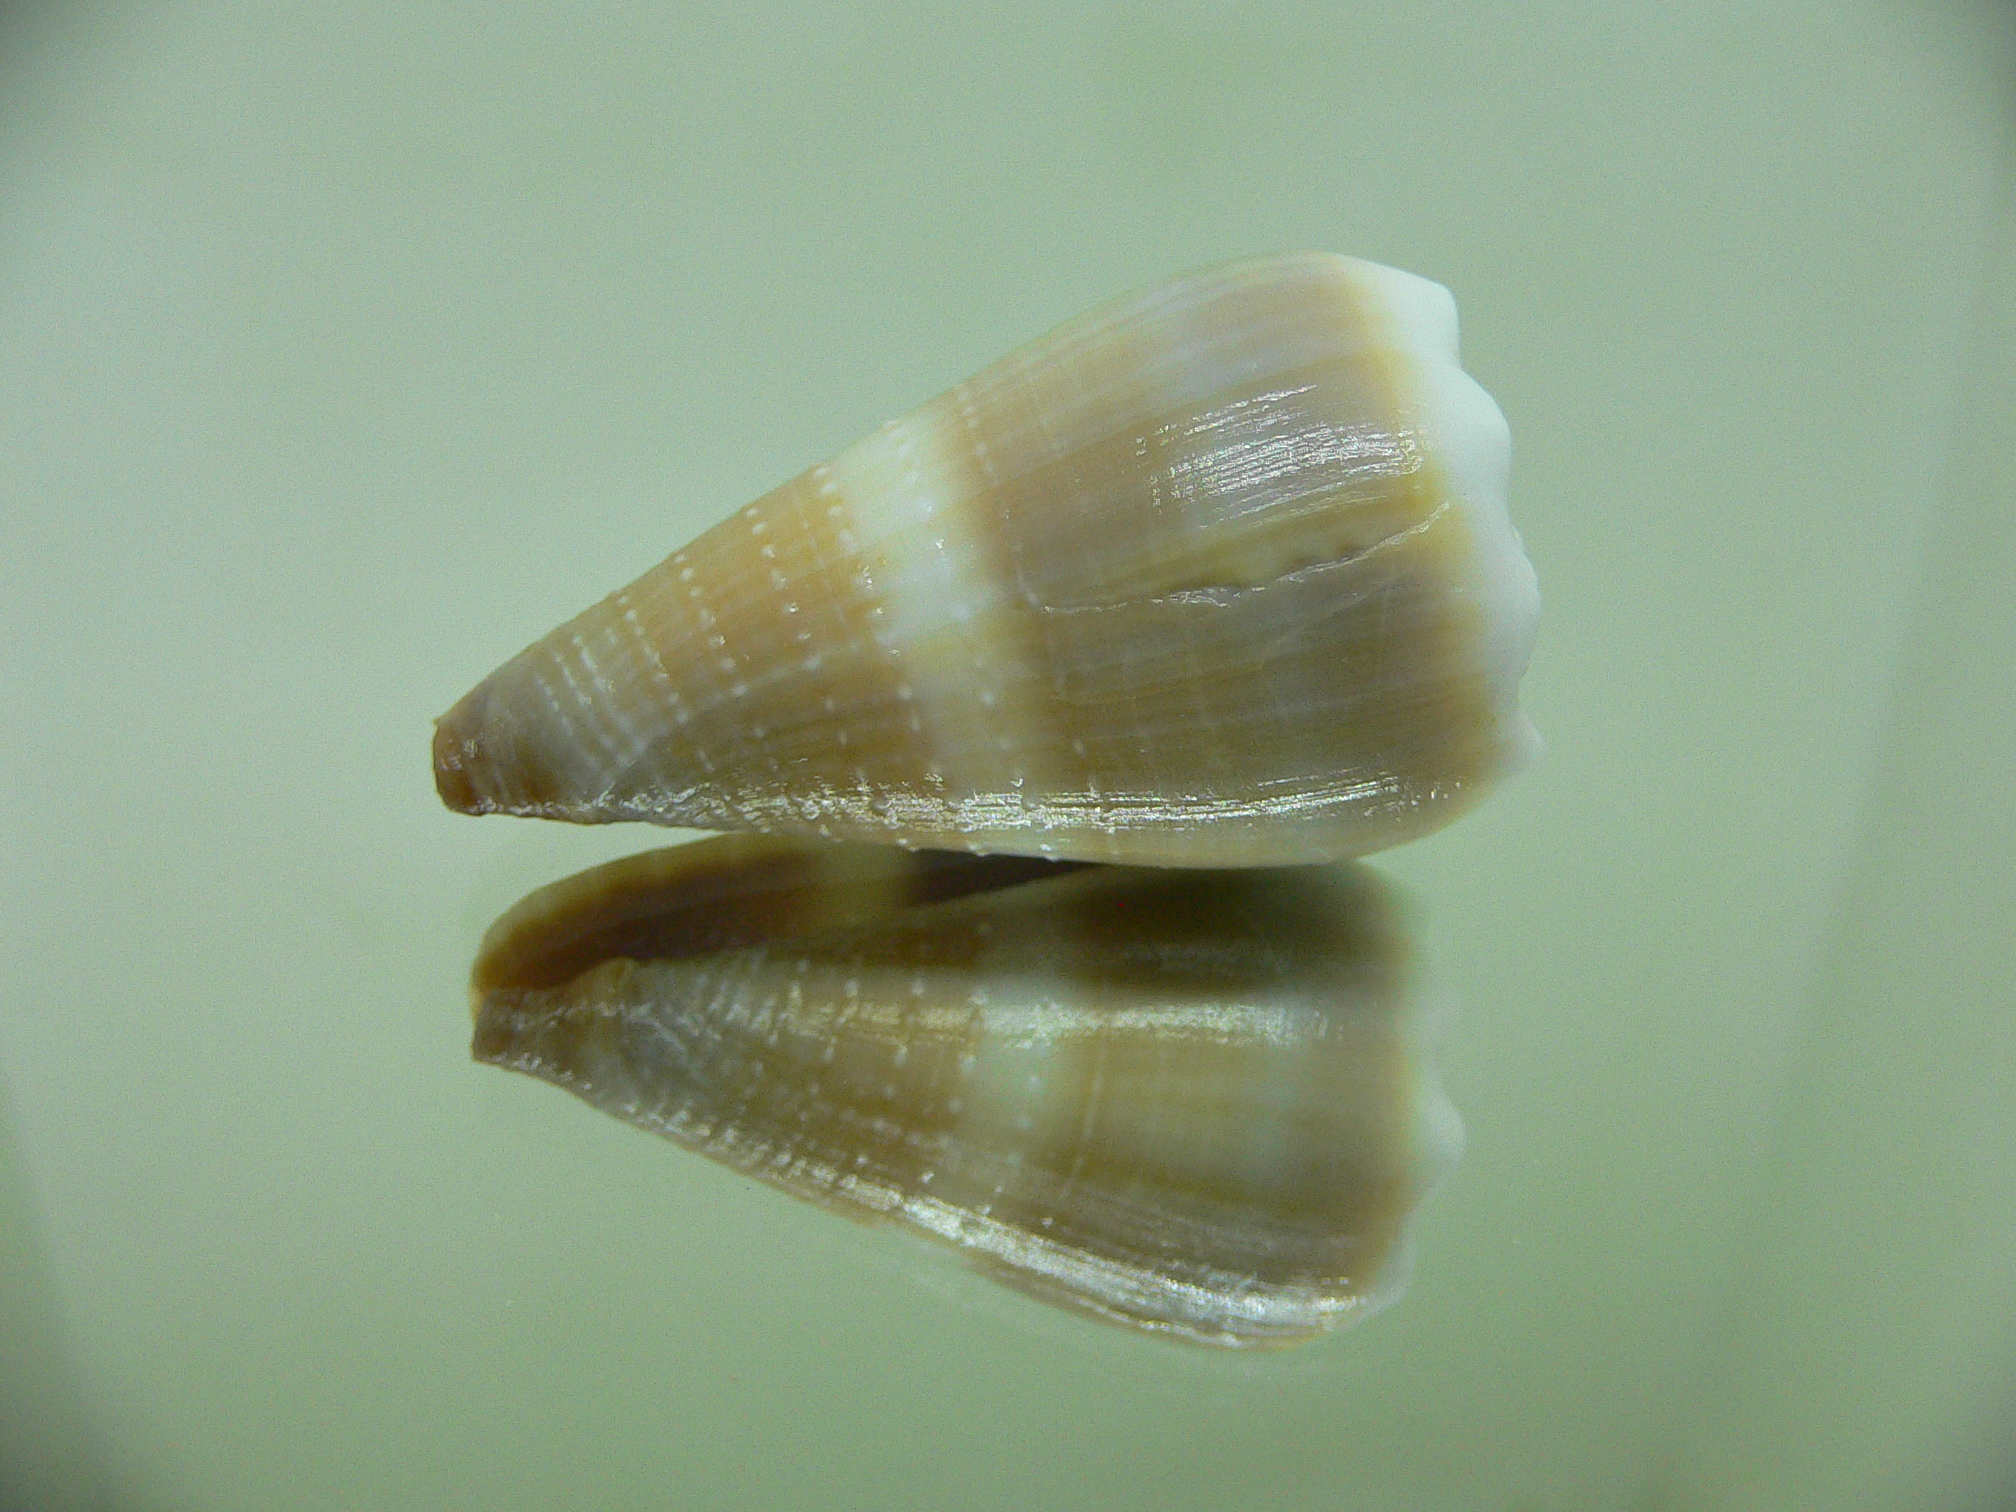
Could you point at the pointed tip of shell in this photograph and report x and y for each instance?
(455, 755)
(484, 764)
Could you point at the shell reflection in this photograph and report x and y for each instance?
(1189, 1101)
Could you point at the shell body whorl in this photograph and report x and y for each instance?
(1217, 575)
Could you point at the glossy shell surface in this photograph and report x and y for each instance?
(1218, 575)
(1191, 1102)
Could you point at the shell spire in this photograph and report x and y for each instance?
(1219, 574)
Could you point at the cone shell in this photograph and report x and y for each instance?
(1187, 1101)
(1218, 575)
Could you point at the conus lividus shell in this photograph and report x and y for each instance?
(1217, 575)
(1192, 1102)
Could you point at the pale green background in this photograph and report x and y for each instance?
(346, 348)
